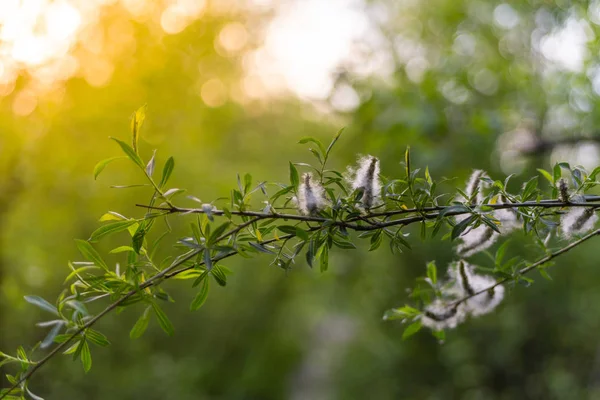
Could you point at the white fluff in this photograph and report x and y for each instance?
(439, 316)
(366, 178)
(475, 184)
(475, 240)
(467, 282)
(577, 221)
(507, 217)
(310, 196)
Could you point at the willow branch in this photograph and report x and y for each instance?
(531, 267)
(167, 273)
(425, 213)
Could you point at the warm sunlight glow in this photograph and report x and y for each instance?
(306, 42)
(51, 41)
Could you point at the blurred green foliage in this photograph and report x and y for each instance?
(306, 335)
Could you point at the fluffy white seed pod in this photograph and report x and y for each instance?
(563, 190)
(507, 217)
(311, 197)
(439, 315)
(474, 184)
(474, 240)
(577, 221)
(467, 283)
(366, 179)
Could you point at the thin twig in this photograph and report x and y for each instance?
(533, 266)
(166, 274)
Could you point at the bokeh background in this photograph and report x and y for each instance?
(231, 86)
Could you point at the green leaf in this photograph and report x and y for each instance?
(261, 248)
(140, 326)
(150, 165)
(62, 338)
(544, 274)
(102, 164)
(400, 313)
(130, 153)
(163, 320)
(219, 274)
(432, 272)
(530, 187)
(96, 337)
(459, 208)
(90, 254)
(289, 229)
(167, 170)
(376, 240)
(218, 232)
(308, 139)
(200, 278)
(121, 249)
(86, 356)
(294, 179)
(109, 229)
(112, 216)
(556, 172)
(41, 303)
(407, 162)
(247, 182)
(323, 257)
(137, 120)
(49, 339)
(301, 233)
(461, 226)
(335, 139)
(411, 330)
(500, 253)
(546, 175)
(202, 295)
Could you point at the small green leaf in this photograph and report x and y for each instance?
(335, 139)
(140, 326)
(308, 139)
(121, 249)
(411, 330)
(218, 232)
(49, 339)
(557, 173)
(109, 229)
(201, 297)
(150, 165)
(102, 164)
(261, 248)
(130, 153)
(324, 257)
(96, 337)
(247, 182)
(219, 274)
(200, 278)
(137, 120)
(294, 179)
(400, 313)
(163, 320)
(462, 225)
(41, 303)
(546, 175)
(301, 233)
(376, 240)
(167, 170)
(432, 272)
(90, 254)
(86, 356)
